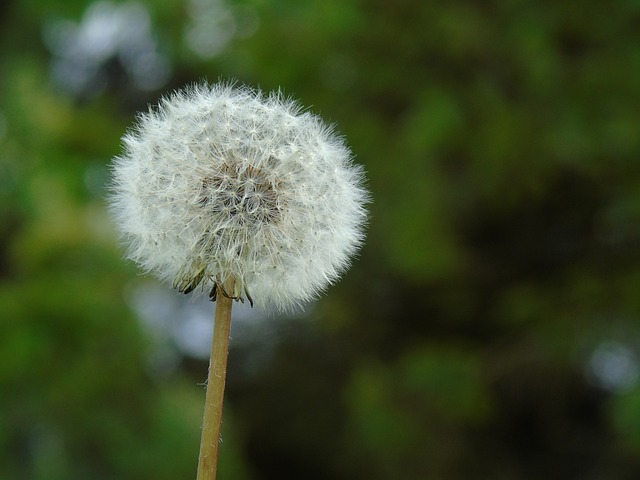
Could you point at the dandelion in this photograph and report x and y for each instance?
(227, 191)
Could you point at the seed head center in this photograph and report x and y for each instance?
(244, 194)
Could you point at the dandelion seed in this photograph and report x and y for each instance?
(222, 182)
(226, 190)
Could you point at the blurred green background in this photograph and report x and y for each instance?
(489, 329)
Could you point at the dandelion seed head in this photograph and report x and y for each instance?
(223, 181)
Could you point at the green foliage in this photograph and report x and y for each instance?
(501, 144)
(407, 414)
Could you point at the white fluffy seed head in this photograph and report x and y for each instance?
(222, 181)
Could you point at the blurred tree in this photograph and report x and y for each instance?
(490, 328)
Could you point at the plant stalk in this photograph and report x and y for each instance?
(210, 440)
